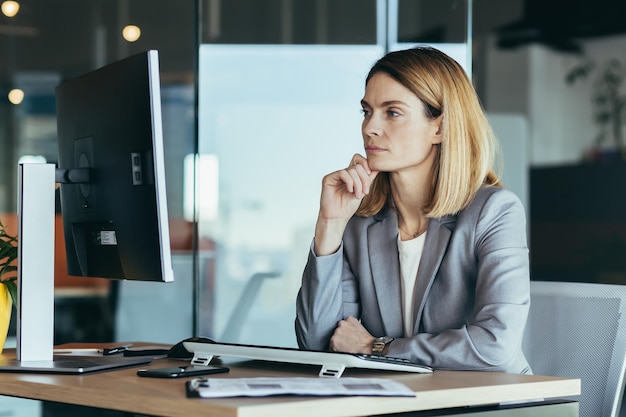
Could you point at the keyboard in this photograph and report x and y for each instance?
(388, 360)
(333, 363)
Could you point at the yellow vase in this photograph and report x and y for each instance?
(6, 305)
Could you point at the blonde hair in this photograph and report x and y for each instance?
(466, 156)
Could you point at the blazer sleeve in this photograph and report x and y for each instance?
(327, 295)
(495, 270)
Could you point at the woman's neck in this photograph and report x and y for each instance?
(411, 189)
(409, 199)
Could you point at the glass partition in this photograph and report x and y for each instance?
(273, 133)
(47, 42)
(278, 109)
(307, 84)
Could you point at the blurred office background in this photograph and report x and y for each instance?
(261, 99)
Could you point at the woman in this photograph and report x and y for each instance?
(419, 253)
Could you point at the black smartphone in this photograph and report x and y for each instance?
(182, 371)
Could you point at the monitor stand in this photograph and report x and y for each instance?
(35, 283)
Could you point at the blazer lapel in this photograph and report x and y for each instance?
(437, 238)
(385, 267)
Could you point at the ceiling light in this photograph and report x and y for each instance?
(10, 8)
(131, 33)
(16, 96)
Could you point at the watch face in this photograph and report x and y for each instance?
(378, 348)
(379, 344)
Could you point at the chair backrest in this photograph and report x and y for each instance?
(578, 330)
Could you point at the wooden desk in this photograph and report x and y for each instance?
(122, 390)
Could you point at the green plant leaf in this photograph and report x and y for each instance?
(8, 254)
(7, 269)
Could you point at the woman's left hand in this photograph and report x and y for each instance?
(350, 336)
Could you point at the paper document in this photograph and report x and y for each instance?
(260, 387)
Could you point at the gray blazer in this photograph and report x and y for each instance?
(471, 296)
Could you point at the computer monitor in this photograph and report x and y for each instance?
(111, 170)
(113, 202)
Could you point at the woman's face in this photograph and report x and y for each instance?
(396, 132)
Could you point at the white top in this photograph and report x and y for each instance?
(410, 253)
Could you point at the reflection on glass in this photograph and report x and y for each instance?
(428, 21)
(201, 203)
(290, 22)
(445, 25)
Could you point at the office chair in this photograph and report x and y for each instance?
(240, 311)
(578, 330)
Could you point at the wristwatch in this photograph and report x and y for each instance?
(379, 345)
